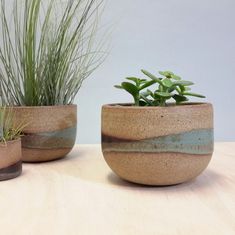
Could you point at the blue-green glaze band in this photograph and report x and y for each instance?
(50, 140)
(198, 142)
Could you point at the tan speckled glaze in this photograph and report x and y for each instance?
(157, 145)
(50, 132)
(10, 159)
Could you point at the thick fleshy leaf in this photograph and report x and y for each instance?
(144, 97)
(167, 74)
(194, 94)
(134, 79)
(183, 83)
(146, 93)
(153, 77)
(163, 94)
(143, 80)
(142, 103)
(118, 86)
(176, 77)
(150, 93)
(182, 88)
(179, 90)
(179, 98)
(129, 87)
(171, 89)
(167, 83)
(162, 73)
(155, 103)
(147, 84)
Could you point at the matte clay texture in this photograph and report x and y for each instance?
(10, 159)
(50, 132)
(157, 145)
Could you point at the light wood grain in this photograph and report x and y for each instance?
(79, 195)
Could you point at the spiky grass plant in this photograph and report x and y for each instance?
(8, 131)
(47, 50)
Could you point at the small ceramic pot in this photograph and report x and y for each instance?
(157, 145)
(50, 131)
(10, 159)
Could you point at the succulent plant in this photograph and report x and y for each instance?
(169, 86)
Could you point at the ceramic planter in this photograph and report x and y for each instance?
(10, 159)
(50, 132)
(157, 145)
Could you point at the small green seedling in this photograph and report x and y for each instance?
(169, 86)
(8, 131)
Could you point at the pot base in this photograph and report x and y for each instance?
(11, 172)
(43, 155)
(156, 169)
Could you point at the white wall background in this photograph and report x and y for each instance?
(195, 39)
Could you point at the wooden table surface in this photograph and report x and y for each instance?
(80, 195)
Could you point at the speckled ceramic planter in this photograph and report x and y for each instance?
(157, 145)
(50, 132)
(10, 159)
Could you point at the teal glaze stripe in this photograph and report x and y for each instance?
(194, 142)
(64, 133)
(64, 138)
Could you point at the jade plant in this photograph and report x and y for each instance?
(8, 131)
(168, 86)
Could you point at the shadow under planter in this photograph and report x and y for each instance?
(10, 159)
(157, 145)
(50, 132)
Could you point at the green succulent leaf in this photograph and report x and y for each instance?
(167, 83)
(153, 77)
(163, 94)
(179, 98)
(182, 88)
(118, 86)
(134, 79)
(183, 83)
(144, 97)
(150, 93)
(162, 73)
(147, 84)
(155, 103)
(171, 89)
(179, 90)
(132, 89)
(167, 74)
(194, 94)
(142, 103)
(175, 77)
(146, 93)
(143, 80)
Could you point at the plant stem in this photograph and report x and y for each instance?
(137, 102)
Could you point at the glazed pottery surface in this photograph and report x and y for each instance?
(10, 159)
(158, 145)
(50, 132)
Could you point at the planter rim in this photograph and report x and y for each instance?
(44, 106)
(10, 142)
(131, 107)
